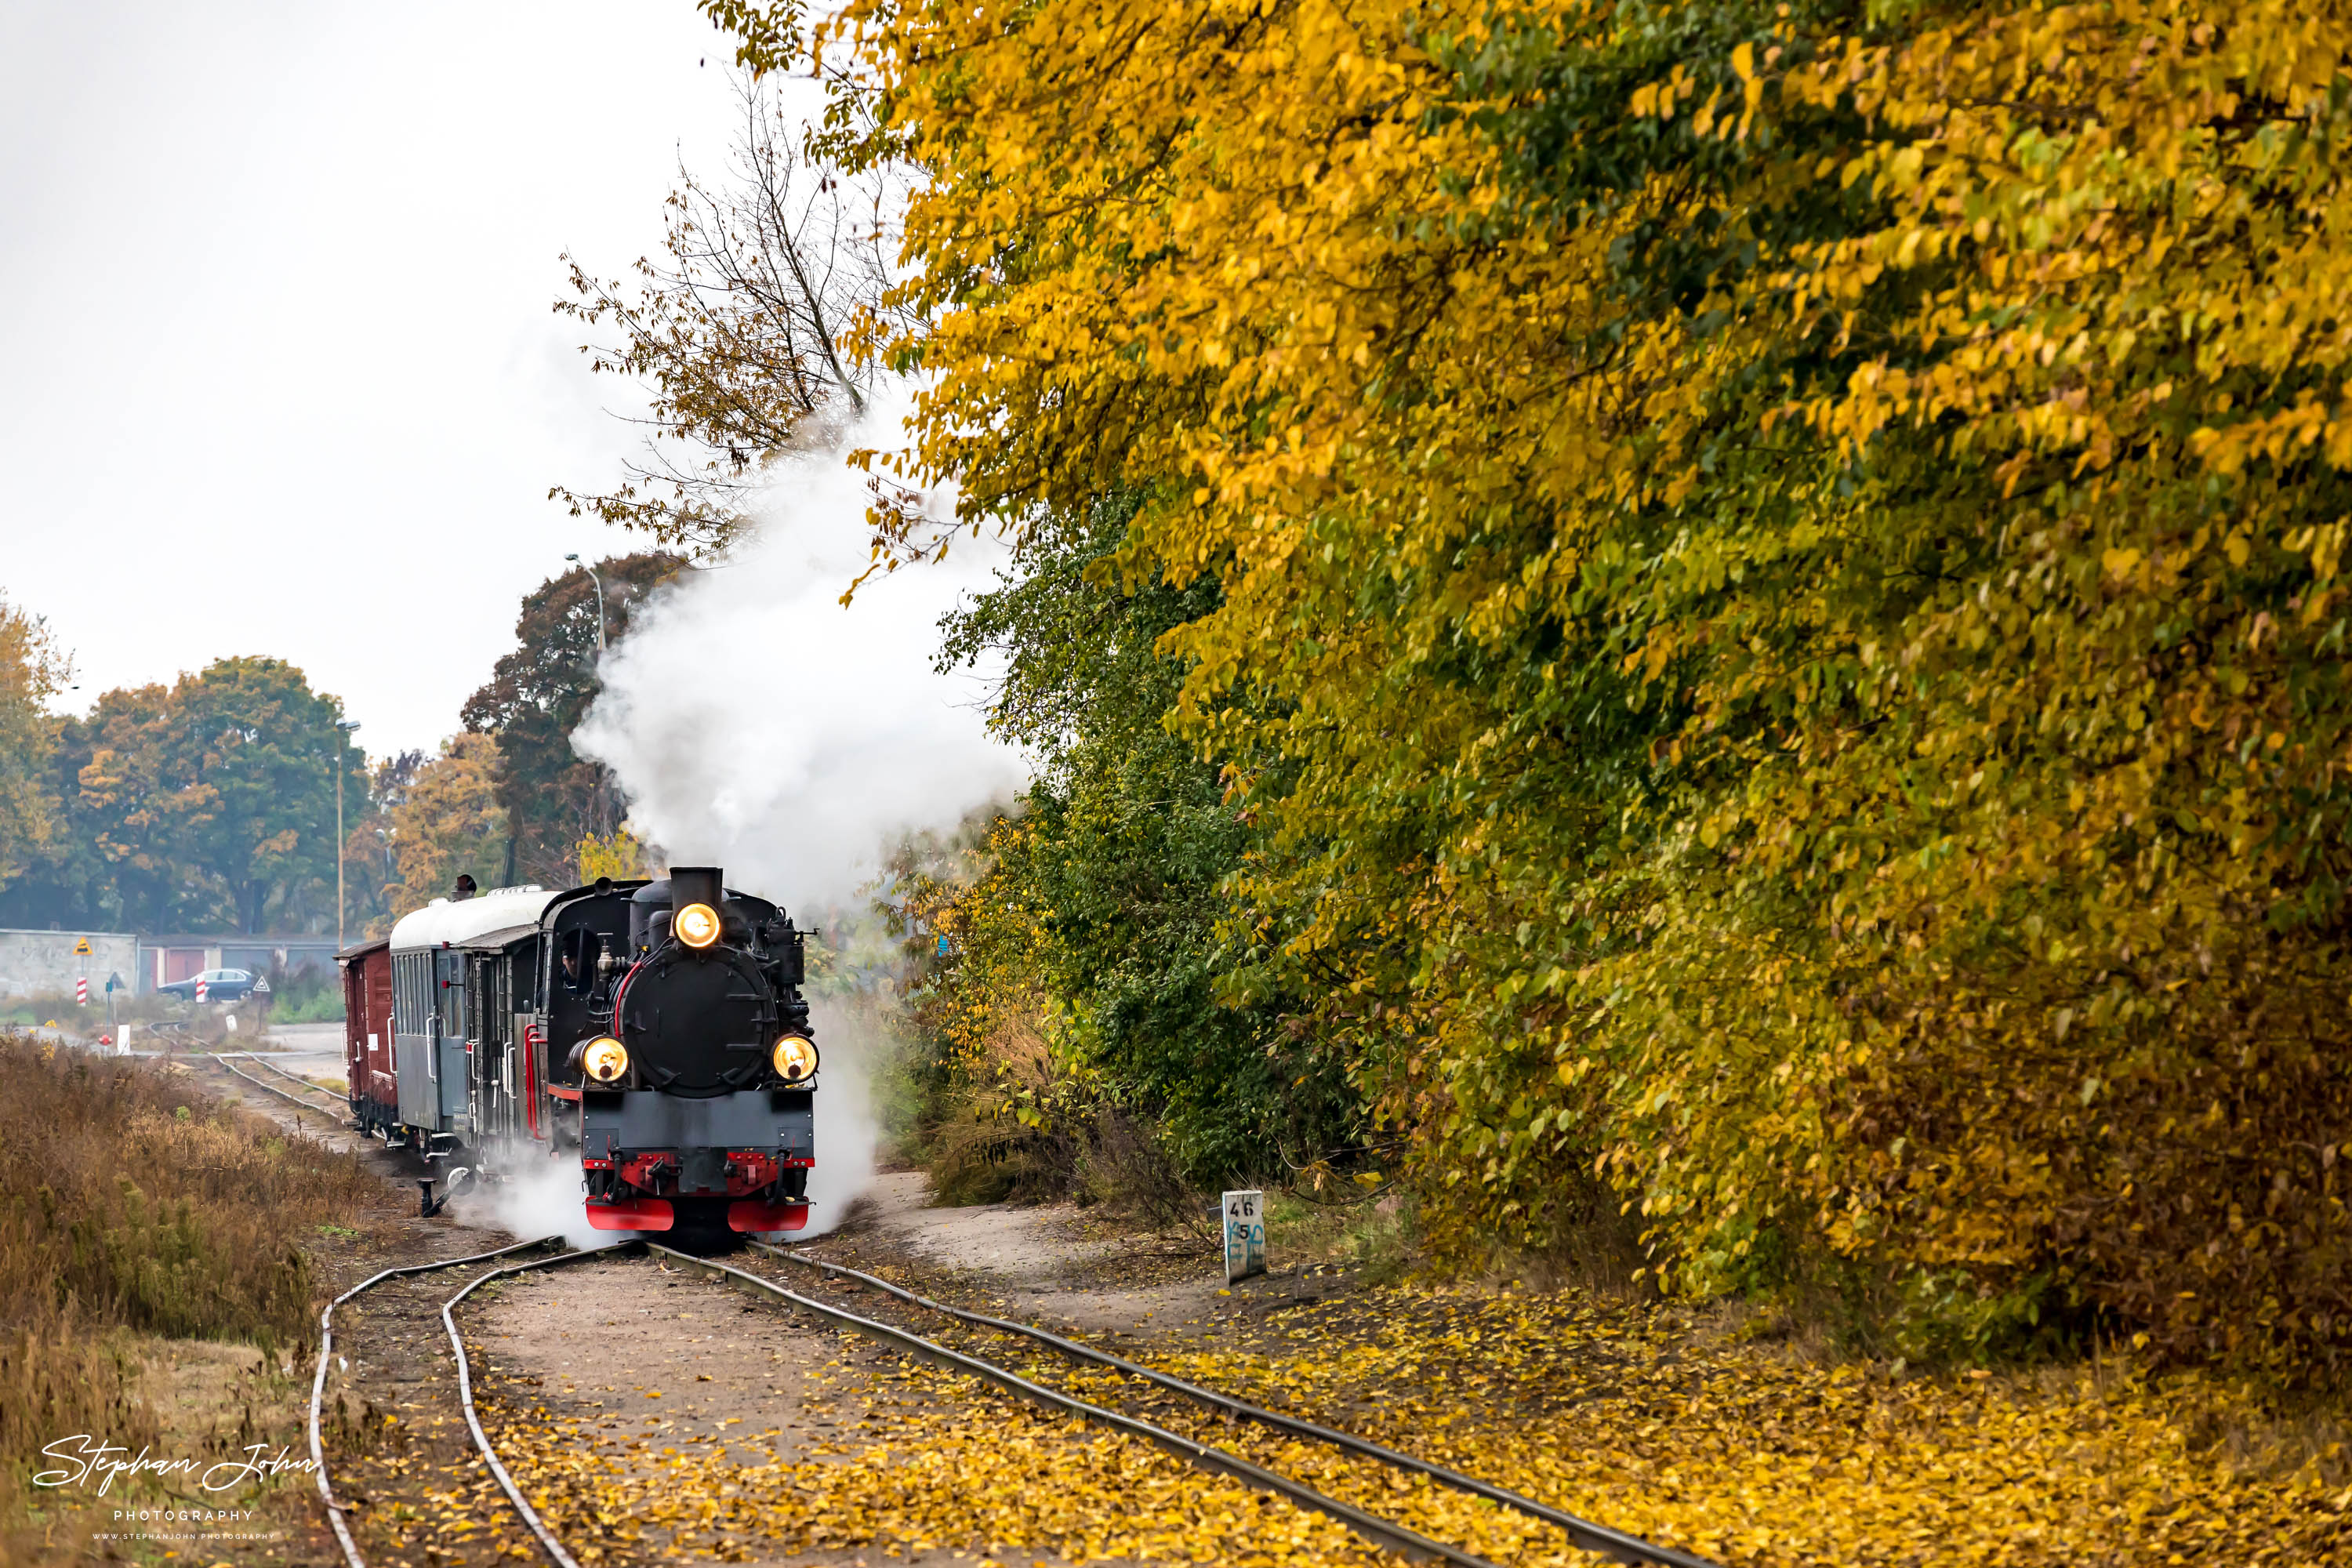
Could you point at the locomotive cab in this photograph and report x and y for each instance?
(697, 1095)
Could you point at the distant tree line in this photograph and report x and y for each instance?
(208, 804)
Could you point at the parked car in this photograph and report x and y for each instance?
(220, 985)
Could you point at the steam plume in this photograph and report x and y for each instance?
(755, 722)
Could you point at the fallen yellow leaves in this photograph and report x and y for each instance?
(1743, 1452)
(1641, 1419)
(958, 1467)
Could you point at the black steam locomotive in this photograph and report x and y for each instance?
(653, 1030)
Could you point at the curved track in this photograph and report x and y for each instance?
(340, 1115)
(326, 1353)
(1385, 1533)
(1585, 1534)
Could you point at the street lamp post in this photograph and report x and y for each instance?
(600, 597)
(343, 728)
(575, 560)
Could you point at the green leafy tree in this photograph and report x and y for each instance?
(256, 749)
(209, 803)
(1124, 851)
(537, 695)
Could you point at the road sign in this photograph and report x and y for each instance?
(200, 987)
(81, 947)
(82, 991)
(1244, 1235)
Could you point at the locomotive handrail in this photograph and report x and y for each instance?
(1591, 1537)
(326, 1349)
(1371, 1527)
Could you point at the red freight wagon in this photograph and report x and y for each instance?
(367, 1038)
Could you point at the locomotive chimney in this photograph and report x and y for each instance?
(697, 885)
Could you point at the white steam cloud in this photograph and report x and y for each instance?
(756, 723)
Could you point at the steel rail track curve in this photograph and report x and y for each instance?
(1382, 1532)
(1597, 1538)
(547, 1543)
(326, 1352)
(341, 1116)
(257, 1059)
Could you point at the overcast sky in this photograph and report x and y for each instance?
(277, 370)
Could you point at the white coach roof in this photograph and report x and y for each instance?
(457, 923)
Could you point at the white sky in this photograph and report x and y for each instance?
(277, 370)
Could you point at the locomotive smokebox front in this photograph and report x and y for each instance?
(707, 1103)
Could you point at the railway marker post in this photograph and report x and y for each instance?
(1244, 1235)
(81, 991)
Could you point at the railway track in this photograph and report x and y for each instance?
(1585, 1534)
(339, 1114)
(1385, 1533)
(547, 1540)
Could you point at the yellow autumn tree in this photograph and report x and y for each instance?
(30, 670)
(1787, 558)
(449, 824)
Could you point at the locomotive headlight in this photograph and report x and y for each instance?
(606, 1058)
(696, 925)
(796, 1058)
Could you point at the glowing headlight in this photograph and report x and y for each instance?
(606, 1058)
(696, 925)
(796, 1058)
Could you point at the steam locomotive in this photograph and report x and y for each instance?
(654, 1031)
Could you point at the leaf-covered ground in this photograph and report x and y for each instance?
(1641, 1419)
(1749, 1455)
(934, 1462)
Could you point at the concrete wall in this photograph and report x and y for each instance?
(43, 963)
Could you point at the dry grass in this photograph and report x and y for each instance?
(132, 1206)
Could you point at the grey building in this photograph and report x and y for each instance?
(44, 963)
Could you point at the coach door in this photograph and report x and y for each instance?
(453, 1083)
(487, 1009)
(414, 996)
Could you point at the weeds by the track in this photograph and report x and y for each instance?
(134, 1206)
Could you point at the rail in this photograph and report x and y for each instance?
(1382, 1532)
(547, 1543)
(327, 1349)
(339, 1114)
(1591, 1537)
